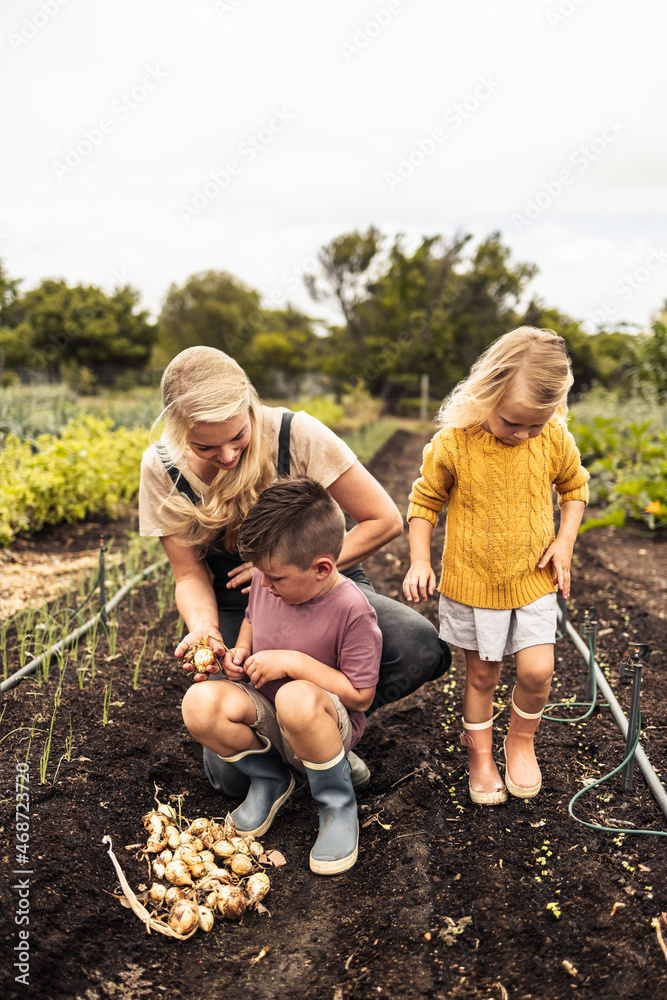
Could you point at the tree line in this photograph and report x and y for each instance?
(402, 314)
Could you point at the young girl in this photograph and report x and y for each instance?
(502, 446)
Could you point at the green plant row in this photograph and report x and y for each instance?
(87, 469)
(628, 467)
(29, 410)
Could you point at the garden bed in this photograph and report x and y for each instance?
(447, 899)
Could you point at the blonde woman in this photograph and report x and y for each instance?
(503, 443)
(219, 449)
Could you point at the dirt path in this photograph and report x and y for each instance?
(446, 900)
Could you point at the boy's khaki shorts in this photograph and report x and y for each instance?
(267, 723)
(495, 633)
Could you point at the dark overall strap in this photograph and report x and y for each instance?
(177, 478)
(283, 444)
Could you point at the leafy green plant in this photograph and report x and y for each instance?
(628, 466)
(89, 468)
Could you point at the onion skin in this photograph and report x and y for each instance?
(232, 902)
(172, 894)
(157, 892)
(155, 844)
(223, 849)
(257, 886)
(203, 658)
(178, 873)
(198, 826)
(206, 918)
(155, 823)
(241, 864)
(183, 916)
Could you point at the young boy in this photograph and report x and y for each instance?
(310, 647)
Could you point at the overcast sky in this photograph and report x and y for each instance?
(146, 140)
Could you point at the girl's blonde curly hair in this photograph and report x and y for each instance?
(204, 385)
(528, 365)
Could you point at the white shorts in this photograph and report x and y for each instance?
(497, 633)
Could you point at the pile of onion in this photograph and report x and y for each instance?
(200, 870)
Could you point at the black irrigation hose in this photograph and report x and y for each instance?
(46, 657)
(606, 777)
(599, 680)
(590, 705)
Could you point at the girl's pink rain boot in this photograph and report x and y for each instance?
(485, 784)
(520, 757)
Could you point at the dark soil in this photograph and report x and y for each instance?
(556, 909)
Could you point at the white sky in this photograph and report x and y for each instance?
(549, 88)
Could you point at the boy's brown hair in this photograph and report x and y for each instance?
(294, 521)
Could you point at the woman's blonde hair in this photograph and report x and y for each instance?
(528, 365)
(204, 385)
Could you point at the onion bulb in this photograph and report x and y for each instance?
(257, 886)
(206, 918)
(157, 892)
(231, 901)
(241, 864)
(223, 849)
(172, 894)
(178, 873)
(198, 826)
(183, 916)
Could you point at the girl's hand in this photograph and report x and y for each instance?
(241, 576)
(559, 554)
(419, 581)
(212, 634)
(268, 665)
(233, 663)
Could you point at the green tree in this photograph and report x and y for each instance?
(274, 346)
(431, 311)
(213, 308)
(652, 357)
(579, 344)
(63, 329)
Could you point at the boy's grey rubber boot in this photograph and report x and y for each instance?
(337, 844)
(271, 784)
(227, 780)
(359, 772)
(224, 777)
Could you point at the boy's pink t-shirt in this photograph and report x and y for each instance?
(339, 629)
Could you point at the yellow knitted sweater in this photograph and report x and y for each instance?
(500, 515)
